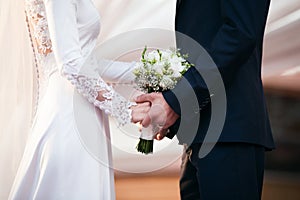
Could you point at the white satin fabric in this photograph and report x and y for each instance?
(18, 80)
(55, 164)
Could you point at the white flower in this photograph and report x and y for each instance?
(166, 82)
(158, 67)
(166, 55)
(160, 70)
(177, 67)
(153, 55)
(176, 74)
(176, 58)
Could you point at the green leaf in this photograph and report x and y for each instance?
(144, 52)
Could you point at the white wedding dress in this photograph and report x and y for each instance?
(56, 164)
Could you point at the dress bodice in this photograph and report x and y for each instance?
(64, 34)
(88, 26)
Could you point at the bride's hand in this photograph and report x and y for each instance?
(100, 95)
(140, 111)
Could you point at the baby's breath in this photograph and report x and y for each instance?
(160, 70)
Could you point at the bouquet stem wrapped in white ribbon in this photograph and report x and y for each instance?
(159, 70)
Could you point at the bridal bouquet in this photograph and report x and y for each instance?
(159, 70)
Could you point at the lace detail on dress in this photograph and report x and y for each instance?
(87, 84)
(114, 104)
(41, 45)
(38, 23)
(117, 106)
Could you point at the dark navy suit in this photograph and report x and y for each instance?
(231, 31)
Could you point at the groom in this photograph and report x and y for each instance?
(231, 31)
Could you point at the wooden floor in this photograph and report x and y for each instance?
(166, 188)
(136, 188)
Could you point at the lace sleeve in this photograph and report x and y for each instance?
(89, 83)
(61, 21)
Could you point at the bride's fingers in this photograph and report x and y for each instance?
(100, 96)
(139, 112)
(146, 121)
(142, 111)
(135, 118)
(138, 115)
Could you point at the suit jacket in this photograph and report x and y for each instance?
(232, 32)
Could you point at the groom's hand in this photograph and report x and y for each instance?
(139, 111)
(160, 113)
(161, 134)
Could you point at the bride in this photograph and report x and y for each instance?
(55, 164)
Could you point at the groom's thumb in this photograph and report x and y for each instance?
(159, 136)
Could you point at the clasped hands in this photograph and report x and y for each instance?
(153, 109)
